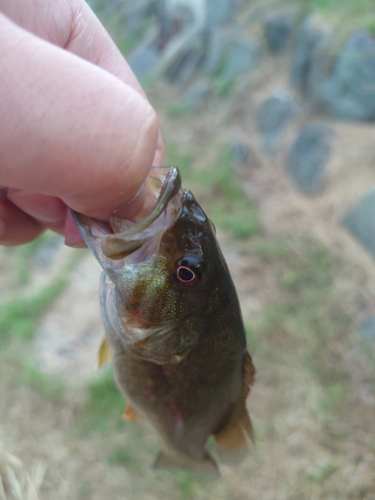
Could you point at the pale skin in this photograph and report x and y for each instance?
(76, 128)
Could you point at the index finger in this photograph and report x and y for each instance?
(72, 25)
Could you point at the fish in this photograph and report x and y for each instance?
(174, 329)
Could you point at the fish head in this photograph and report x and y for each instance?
(160, 273)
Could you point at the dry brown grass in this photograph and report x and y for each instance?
(16, 482)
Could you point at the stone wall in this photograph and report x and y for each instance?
(220, 47)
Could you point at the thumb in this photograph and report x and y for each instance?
(69, 128)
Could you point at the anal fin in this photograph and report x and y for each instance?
(232, 440)
(131, 414)
(207, 466)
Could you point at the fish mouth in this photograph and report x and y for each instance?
(119, 238)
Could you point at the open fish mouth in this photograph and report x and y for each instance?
(119, 238)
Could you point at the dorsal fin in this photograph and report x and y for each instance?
(232, 440)
(104, 353)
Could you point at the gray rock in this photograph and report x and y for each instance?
(196, 95)
(312, 59)
(137, 13)
(360, 221)
(350, 92)
(367, 328)
(278, 29)
(320, 65)
(308, 157)
(273, 117)
(143, 60)
(242, 57)
(239, 153)
(220, 11)
(176, 48)
(215, 51)
(186, 65)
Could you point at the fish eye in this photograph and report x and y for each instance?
(187, 271)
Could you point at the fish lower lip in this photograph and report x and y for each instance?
(121, 244)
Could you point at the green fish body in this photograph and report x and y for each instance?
(174, 326)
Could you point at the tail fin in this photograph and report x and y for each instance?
(207, 466)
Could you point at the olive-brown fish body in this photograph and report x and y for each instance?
(178, 344)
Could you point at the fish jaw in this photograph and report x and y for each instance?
(119, 241)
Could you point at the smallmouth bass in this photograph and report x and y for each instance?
(174, 327)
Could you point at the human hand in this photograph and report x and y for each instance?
(76, 129)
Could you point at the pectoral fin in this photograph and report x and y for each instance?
(131, 414)
(232, 440)
(104, 353)
(207, 466)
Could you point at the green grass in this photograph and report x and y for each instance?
(176, 157)
(104, 405)
(345, 16)
(25, 254)
(323, 473)
(308, 312)
(113, 16)
(357, 8)
(121, 456)
(18, 317)
(84, 489)
(186, 483)
(22, 258)
(217, 187)
(48, 387)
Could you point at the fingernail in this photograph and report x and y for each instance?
(75, 244)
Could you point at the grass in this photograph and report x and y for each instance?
(121, 456)
(308, 311)
(218, 189)
(26, 253)
(49, 388)
(113, 15)
(103, 407)
(345, 16)
(19, 316)
(84, 489)
(22, 259)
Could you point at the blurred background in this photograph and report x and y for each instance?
(268, 109)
